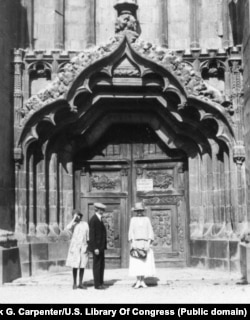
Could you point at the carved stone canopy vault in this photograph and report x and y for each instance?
(125, 80)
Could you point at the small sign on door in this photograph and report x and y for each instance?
(144, 185)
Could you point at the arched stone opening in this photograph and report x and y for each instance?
(127, 130)
(122, 145)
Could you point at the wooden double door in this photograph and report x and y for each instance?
(123, 170)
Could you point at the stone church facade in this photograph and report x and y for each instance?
(125, 101)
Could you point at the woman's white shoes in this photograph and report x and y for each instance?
(141, 284)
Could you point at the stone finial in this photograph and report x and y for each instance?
(126, 20)
(128, 6)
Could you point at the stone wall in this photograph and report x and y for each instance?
(9, 13)
(76, 24)
(246, 74)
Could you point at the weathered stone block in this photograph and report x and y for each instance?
(41, 198)
(42, 266)
(10, 265)
(61, 263)
(234, 265)
(198, 262)
(218, 264)
(39, 251)
(26, 269)
(245, 261)
(198, 248)
(234, 249)
(218, 249)
(58, 250)
(24, 252)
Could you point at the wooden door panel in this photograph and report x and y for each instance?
(163, 221)
(106, 183)
(112, 177)
(97, 180)
(165, 204)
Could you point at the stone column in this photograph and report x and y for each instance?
(18, 97)
(239, 149)
(194, 23)
(91, 22)
(31, 199)
(164, 22)
(228, 186)
(66, 194)
(27, 24)
(41, 205)
(52, 195)
(226, 34)
(20, 199)
(59, 24)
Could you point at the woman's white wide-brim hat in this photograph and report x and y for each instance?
(139, 206)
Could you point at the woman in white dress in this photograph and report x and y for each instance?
(141, 236)
(78, 255)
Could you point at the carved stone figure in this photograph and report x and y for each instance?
(210, 92)
(125, 22)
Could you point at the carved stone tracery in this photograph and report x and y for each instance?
(181, 233)
(163, 181)
(162, 200)
(108, 220)
(161, 223)
(185, 72)
(60, 85)
(102, 182)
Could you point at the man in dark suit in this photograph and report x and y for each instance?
(97, 244)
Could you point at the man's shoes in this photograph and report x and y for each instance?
(100, 288)
(81, 286)
(74, 286)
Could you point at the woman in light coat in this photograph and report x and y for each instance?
(78, 255)
(141, 236)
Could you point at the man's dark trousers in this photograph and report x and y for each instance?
(97, 241)
(98, 268)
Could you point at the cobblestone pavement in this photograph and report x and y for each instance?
(187, 285)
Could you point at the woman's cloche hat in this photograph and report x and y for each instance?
(139, 206)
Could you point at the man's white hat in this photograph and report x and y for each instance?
(99, 205)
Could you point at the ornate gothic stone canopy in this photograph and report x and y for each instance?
(126, 61)
(180, 105)
(185, 75)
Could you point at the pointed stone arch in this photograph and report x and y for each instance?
(125, 67)
(128, 82)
